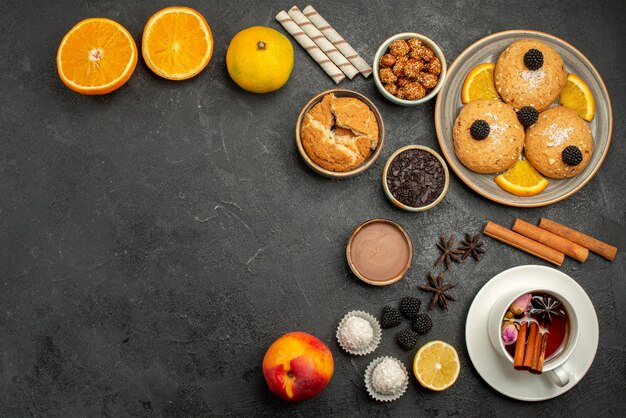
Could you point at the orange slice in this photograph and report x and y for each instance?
(436, 365)
(577, 95)
(177, 43)
(522, 180)
(96, 56)
(479, 83)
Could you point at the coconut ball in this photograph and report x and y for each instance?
(356, 333)
(388, 377)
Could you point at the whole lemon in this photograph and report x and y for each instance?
(260, 59)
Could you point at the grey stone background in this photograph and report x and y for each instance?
(155, 241)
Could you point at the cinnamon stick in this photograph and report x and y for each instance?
(531, 345)
(523, 243)
(540, 353)
(601, 248)
(552, 240)
(520, 347)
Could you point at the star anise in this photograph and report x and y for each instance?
(472, 246)
(448, 253)
(545, 307)
(439, 290)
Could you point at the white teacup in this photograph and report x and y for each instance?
(553, 365)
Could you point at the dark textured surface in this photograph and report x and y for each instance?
(154, 242)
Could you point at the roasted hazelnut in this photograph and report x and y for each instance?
(416, 54)
(414, 43)
(387, 76)
(387, 60)
(434, 66)
(428, 54)
(392, 89)
(399, 48)
(428, 80)
(422, 53)
(414, 91)
(402, 81)
(398, 69)
(413, 68)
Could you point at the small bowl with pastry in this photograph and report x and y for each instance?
(339, 133)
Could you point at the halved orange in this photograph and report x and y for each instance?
(479, 83)
(96, 56)
(522, 180)
(177, 43)
(577, 95)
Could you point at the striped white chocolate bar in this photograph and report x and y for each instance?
(323, 43)
(309, 46)
(337, 40)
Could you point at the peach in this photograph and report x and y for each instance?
(297, 366)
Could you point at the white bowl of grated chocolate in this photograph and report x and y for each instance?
(409, 69)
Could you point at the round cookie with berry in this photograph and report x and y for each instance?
(529, 73)
(488, 138)
(559, 145)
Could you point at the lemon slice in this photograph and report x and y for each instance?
(479, 83)
(436, 365)
(522, 180)
(577, 95)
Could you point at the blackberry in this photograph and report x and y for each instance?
(527, 115)
(533, 59)
(390, 317)
(422, 324)
(572, 155)
(480, 129)
(409, 306)
(407, 339)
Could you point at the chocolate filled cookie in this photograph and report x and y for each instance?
(488, 138)
(559, 145)
(529, 73)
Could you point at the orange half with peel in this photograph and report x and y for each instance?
(522, 180)
(177, 43)
(479, 83)
(578, 96)
(96, 56)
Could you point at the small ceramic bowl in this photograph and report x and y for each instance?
(382, 50)
(401, 205)
(367, 163)
(396, 277)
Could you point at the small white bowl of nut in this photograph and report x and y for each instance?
(409, 69)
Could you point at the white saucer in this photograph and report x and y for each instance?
(496, 370)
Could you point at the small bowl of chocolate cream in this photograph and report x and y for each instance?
(379, 252)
